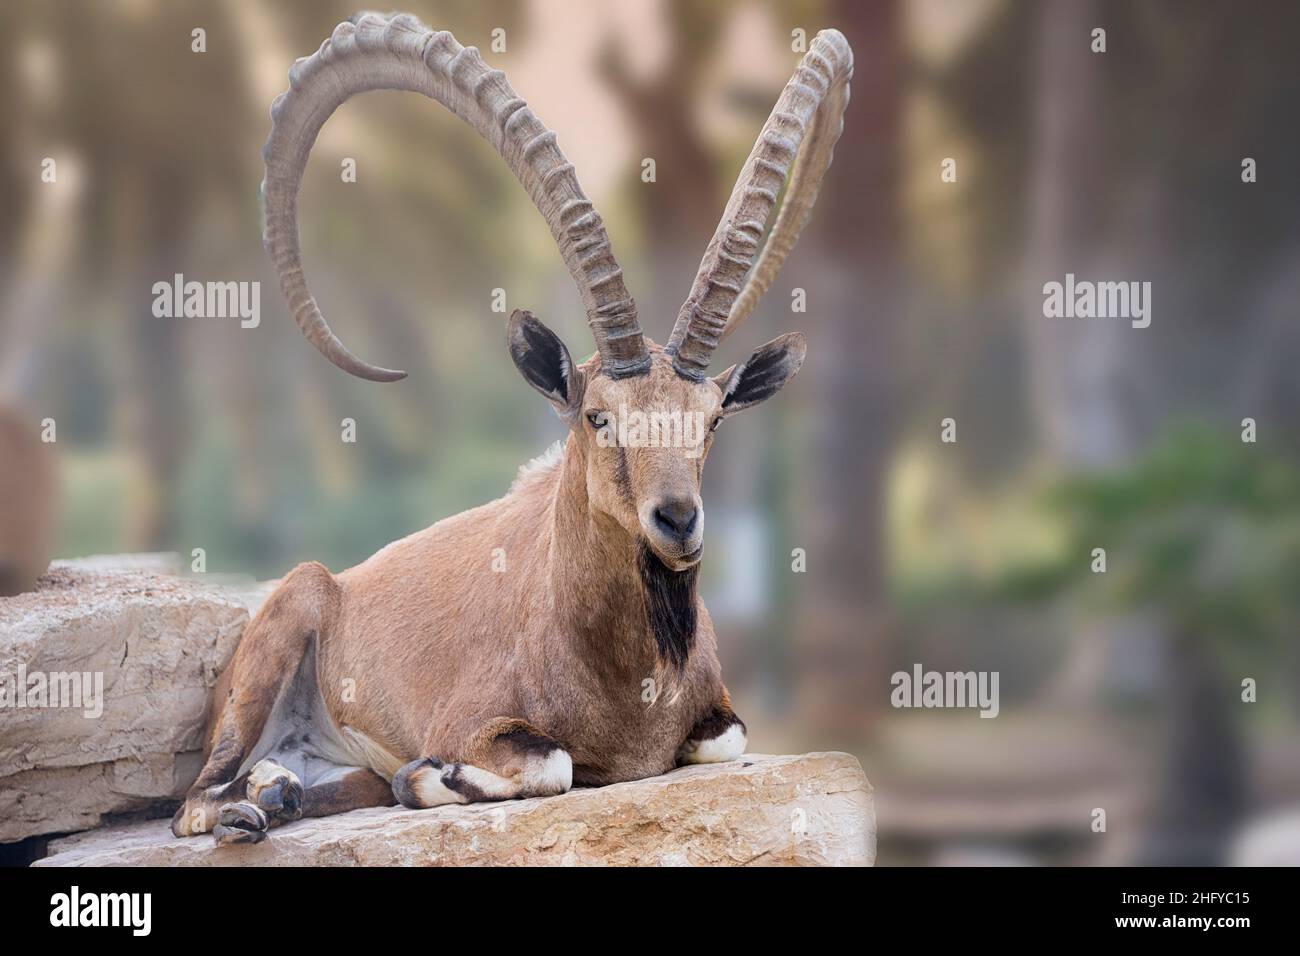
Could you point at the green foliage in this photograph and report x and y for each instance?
(1204, 529)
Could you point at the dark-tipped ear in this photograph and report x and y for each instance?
(763, 374)
(545, 363)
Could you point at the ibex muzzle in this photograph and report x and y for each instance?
(555, 634)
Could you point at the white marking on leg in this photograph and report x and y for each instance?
(429, 786)
(728, 745)
(429, 789)
(265, 773)
(549, 775)
(491, 785)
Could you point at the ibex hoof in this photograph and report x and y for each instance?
(277, 791)
(240, 823)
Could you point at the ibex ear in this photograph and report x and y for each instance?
(545, 364)
(763, 374)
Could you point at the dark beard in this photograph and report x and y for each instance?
(670, 606)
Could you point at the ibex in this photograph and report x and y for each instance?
(425, 675)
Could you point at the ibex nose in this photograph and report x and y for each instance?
(677, 517)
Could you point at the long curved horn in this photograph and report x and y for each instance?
(401, 53)
(809, 113)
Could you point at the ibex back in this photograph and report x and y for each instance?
(555, 635)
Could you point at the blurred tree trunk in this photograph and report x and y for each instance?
(1201, 794)
(855, 314)
(1072, 363)
(680, 210)
(1086, 382)
(1079, 369)
(153, 360)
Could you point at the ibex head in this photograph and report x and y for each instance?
(643, 438)
(653, 491)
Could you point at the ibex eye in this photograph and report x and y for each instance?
(597, 419)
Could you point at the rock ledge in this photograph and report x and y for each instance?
(811, 810)
(140, 653)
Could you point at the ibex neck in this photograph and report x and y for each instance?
(615, 597)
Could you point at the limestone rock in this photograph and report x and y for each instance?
(251, 592)
(149, 562)
(814, 809)
(139, 653)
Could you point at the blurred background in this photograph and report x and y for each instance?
(1121, 691)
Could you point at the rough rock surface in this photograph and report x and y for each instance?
(149, 562)
(251, 592)
(159, 643)
(814, 809)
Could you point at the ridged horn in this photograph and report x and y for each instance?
(401, 53)
(808, 114)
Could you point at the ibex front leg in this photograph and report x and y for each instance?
(506, 759)
(275, 795)
(719, 736)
